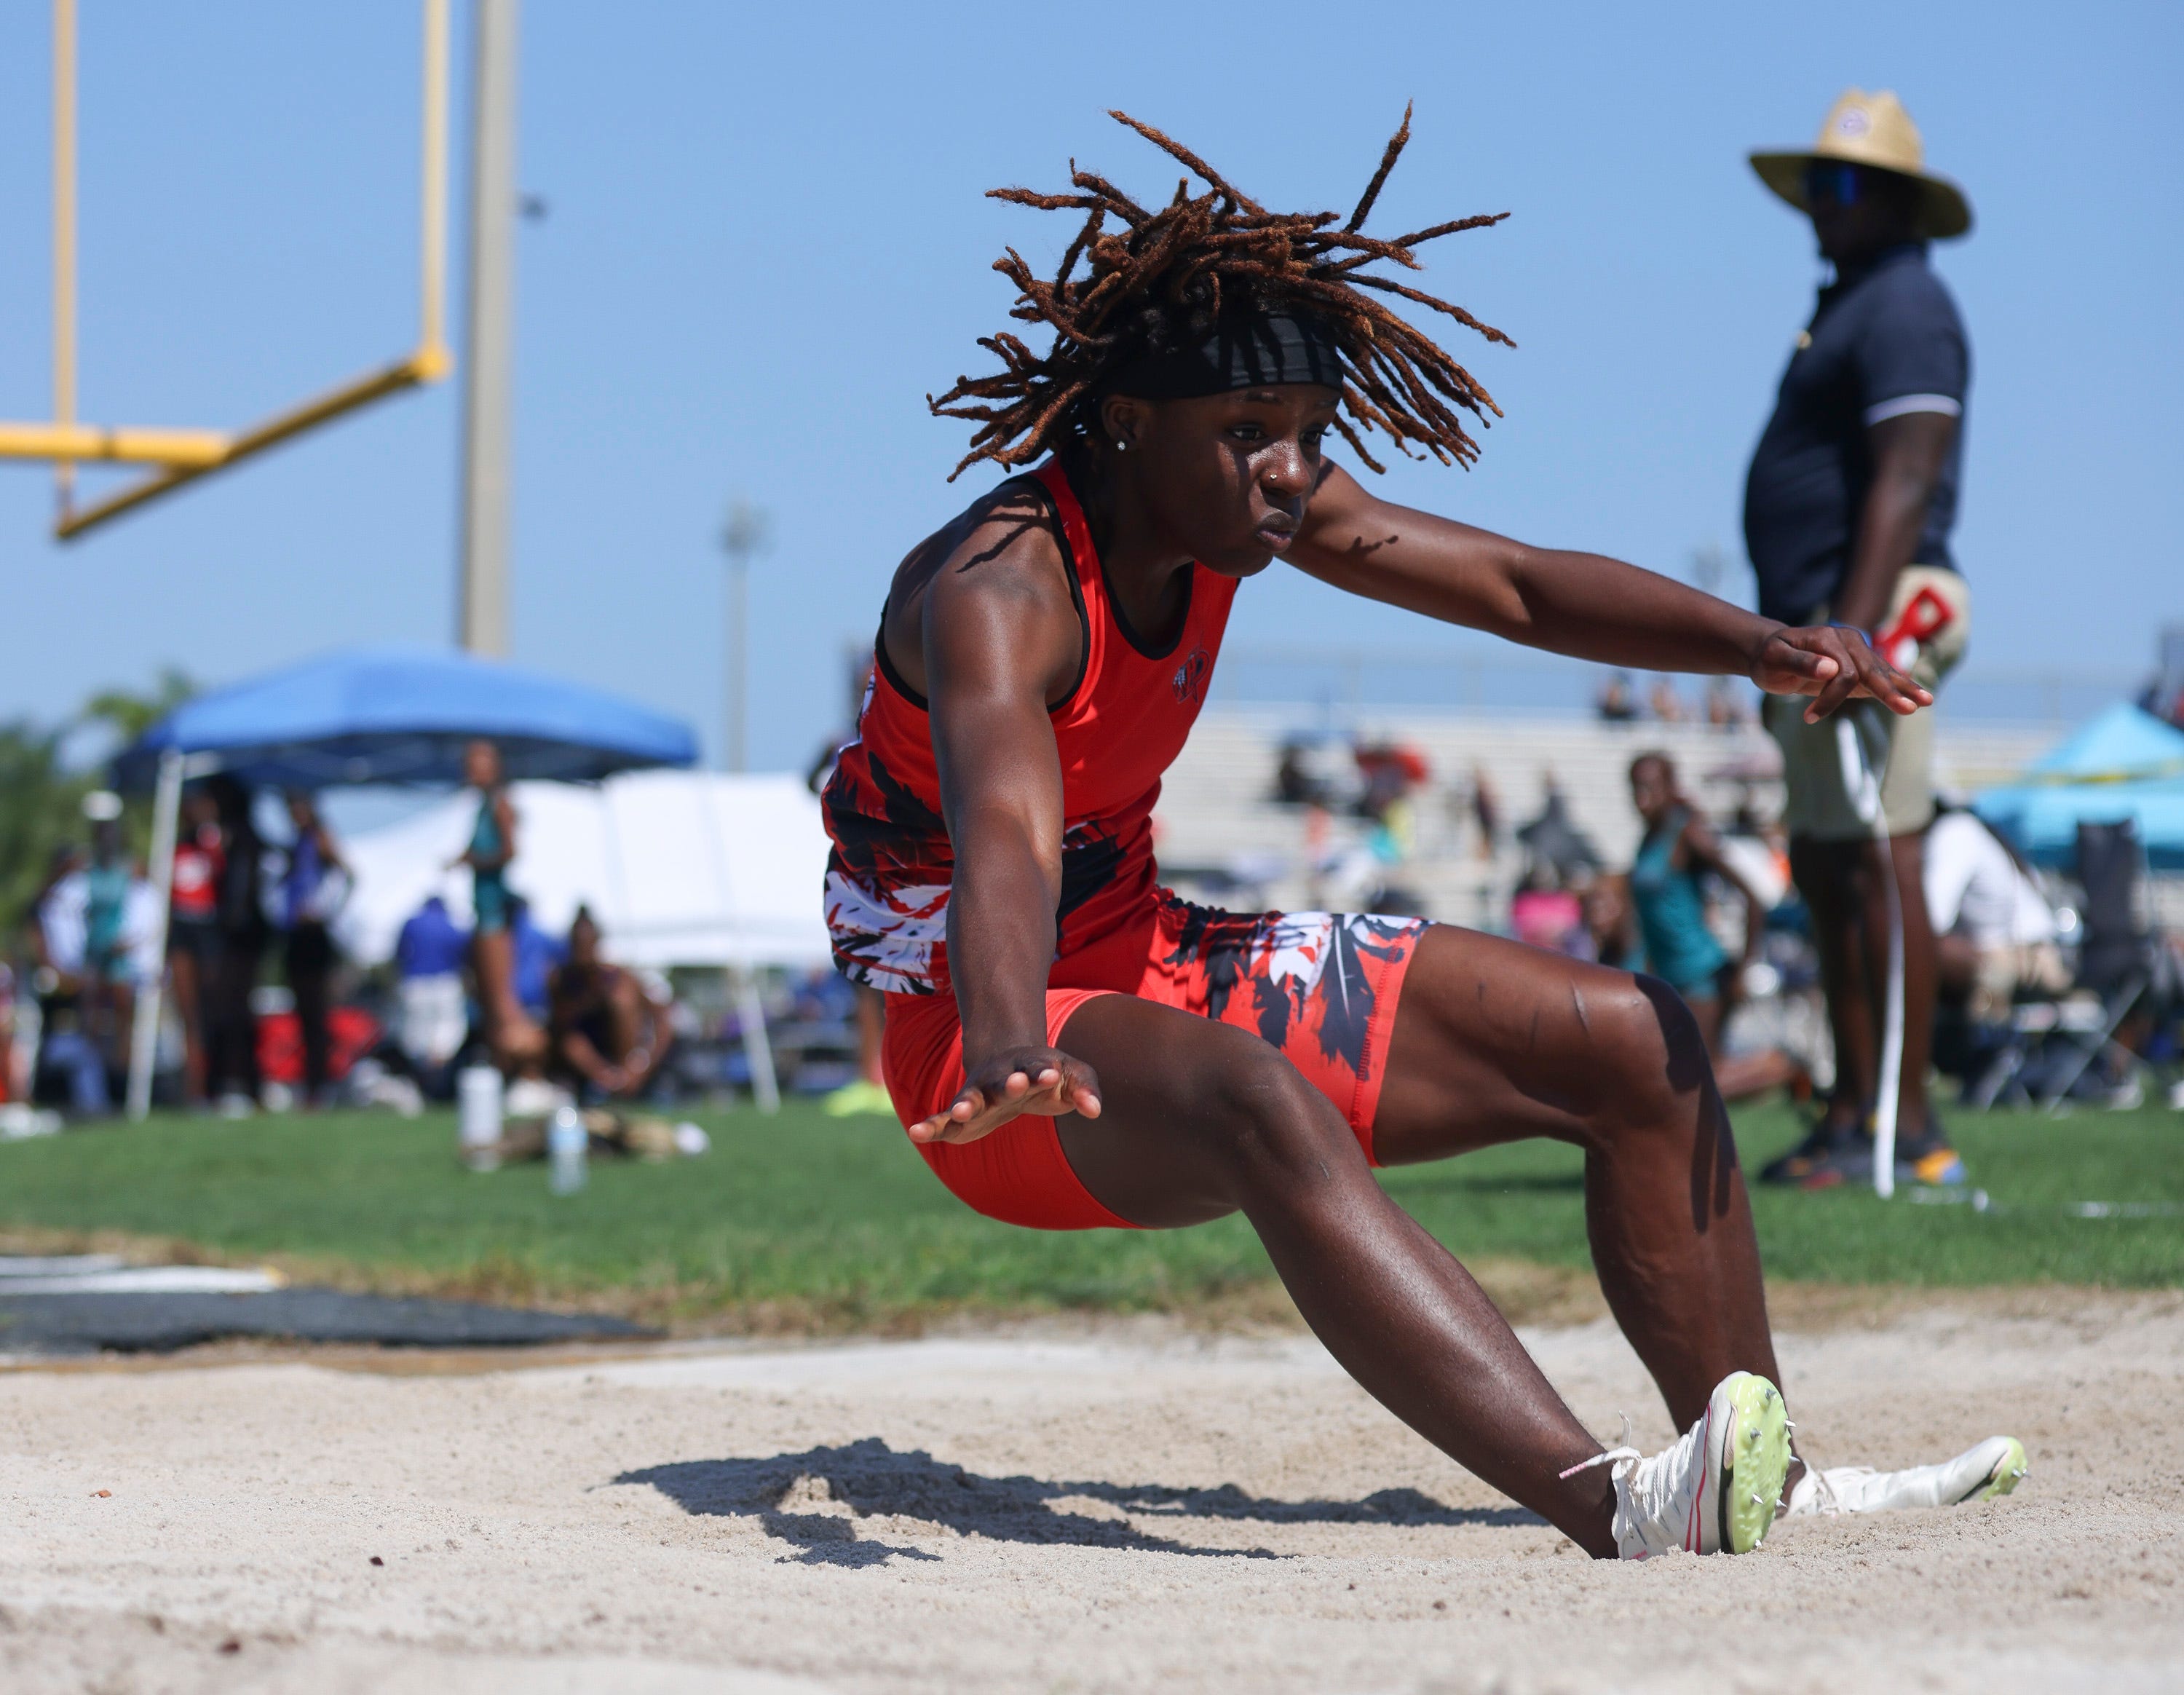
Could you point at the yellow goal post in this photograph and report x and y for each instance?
(181, 456)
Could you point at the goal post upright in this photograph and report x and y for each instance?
(181, 456)
(63, 243)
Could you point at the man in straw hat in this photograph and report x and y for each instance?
(1847, 508)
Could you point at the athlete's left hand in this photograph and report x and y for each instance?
(1833, 665)
(1000, 1087)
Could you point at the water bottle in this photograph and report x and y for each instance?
(478, 1093)
(567, 1144)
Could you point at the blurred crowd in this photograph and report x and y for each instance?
(2049, 986)
(99, 944)
(1723, 704)
(233, 990)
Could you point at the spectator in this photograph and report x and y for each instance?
(312, 886)
(1726, 708)
(193, 937)
(12, 1082)
(866, 1093)
(232, 1027)
(1994, 929)
(68, 1069)
(1553, 840)
(1546, 914)
(516, 1042)
(1610, 925)
(1617, 703)
(608, 1036)
(108, 971)
(537, 954)
(1677, 851)
(435, 1018)
(1389, 773)
(1847, 510)
(1667, 704)
(1486, 811)
(1295, 783)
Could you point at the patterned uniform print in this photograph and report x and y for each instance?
(1322, 987)
(1308, 972)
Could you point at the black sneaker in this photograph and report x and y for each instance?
(1926, 1160)
(1794, 1167)
(1849, 1160)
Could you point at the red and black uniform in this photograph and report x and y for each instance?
(193, 903)
(1322, 987)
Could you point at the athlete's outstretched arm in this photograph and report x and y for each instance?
(1580, 603)
(1001, 638)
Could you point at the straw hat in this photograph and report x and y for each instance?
(1872, 130)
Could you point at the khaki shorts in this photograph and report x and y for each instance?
(1819, 806)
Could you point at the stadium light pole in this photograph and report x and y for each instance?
(488, 381)
(744, 535)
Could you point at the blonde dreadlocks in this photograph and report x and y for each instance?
(1166, 277)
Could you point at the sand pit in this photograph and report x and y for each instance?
(1124, 1508)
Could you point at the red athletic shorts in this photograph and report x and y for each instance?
(1322, 987)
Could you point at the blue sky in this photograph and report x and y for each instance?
(766, 243)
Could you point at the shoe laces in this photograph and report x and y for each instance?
(1647, 1492)
(1622, 1451)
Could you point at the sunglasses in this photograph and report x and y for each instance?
(1832, 182)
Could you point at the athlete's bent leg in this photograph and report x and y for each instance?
(1497, 1042)
(1201, 1120)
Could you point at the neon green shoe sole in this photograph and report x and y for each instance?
(1751, 1451)
(2008, 1470)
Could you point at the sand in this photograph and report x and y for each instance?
(1119, 1507)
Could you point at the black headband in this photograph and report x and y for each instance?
(1236, 353)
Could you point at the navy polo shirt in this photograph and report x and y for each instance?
(1884, 341)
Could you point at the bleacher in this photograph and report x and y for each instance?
(1217, 822)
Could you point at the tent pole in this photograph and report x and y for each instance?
(144, 1033)
(758, 1048)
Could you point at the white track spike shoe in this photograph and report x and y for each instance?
(1713, 1490)
(1992, 1467)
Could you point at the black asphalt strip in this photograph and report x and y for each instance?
(158, 1322)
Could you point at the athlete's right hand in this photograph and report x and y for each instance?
(1022, 1079)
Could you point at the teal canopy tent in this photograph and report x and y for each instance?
(2124, 765)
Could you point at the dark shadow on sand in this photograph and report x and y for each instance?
(872, 1478)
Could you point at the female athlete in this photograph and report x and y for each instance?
(1071, 1047)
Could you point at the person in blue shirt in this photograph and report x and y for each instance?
(536, 956)
(431, 943)
(1848, 511)
(435, 1014)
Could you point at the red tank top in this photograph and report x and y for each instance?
(1121, 726)
(196, 890)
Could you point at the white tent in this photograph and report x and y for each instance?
(680, 867)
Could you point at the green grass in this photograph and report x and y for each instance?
(801, 1219)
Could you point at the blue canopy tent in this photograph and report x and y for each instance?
(397, 715)
(378, 715)
(2125, 764)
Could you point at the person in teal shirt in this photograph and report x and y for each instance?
(1680, 848)
(518, 1042)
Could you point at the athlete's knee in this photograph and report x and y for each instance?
(1653, 1058)
(1261, 1122)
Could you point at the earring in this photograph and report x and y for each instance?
(1122, 446)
